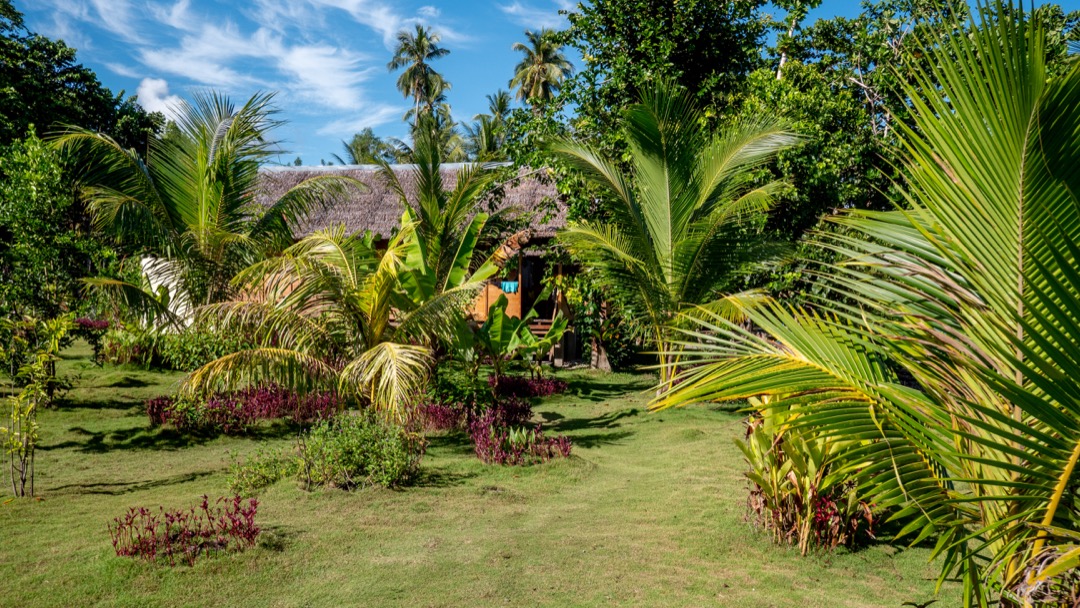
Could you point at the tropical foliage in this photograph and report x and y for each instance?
(327, 315)
(190, 203)
(45, 242)
(443, 253)
(43, 86)
(366, 148)
(502, 337)
(685, 214)
(334, 312)
(946, 355)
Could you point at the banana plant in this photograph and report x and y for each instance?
(503, 337)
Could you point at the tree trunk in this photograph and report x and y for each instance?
(783, 53)
(599, 358)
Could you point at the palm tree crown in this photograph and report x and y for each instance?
(541, 72)
(682, 217)
(414, 52)
(499, 106)
(190, 202)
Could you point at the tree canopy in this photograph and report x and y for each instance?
(42, 85)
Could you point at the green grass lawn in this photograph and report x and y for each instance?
(648, 512)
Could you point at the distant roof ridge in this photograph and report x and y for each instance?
(378, 207)
(402, 167)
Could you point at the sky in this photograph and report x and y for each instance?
(325, 59)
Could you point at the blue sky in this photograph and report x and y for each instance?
(325, 58)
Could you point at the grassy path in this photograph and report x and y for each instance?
(649, 512)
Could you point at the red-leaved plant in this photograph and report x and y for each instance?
(500, 435)
(519, 386)
(184, 535)
(236, 412)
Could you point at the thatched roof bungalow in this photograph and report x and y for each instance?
(378, 209)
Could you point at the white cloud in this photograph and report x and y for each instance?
(154, 97)
(533, 17)
(178, 16)
(125, 70)
(325, 74)
(118, 17)
(371, 116)
(309, 50)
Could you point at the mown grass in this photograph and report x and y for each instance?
(648, 512)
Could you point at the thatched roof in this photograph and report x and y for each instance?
(379, 209)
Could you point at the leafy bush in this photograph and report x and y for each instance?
(794, 493)
(501, 435)
(511, 411)
(350, 451)
(455, 385)
(185, 535)
(262, 469)
(519, 386)
(183, 351)
(121, 346)
(191, 349)
(236, 412)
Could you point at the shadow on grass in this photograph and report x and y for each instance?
(440, 478)
(69, 405)
(159, 438)
(592, 440)
(128, 382)
(456, 443)
(277, 538)
(127, 487)
(608, 420)
(600, 389)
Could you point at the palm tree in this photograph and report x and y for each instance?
(541, 72)
(442, 254)
(499, 107)
(682, 217)
(190, 202)
(414, 52)
(484, 139)
(328, 315)
(974, 292)
(366, 148)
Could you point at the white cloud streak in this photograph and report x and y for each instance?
(533, 17)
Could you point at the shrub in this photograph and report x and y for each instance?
(160, 410)
(121, 346)
(235, 413)
(454, 385)
(268, 402)
(262, 469)
(499, 437)
(186, 534)
(520, 386)
(511, 411)
(350, 451)
(194, 347)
